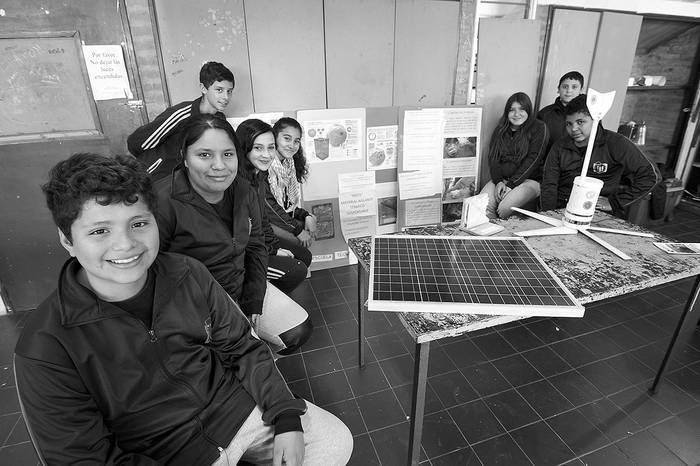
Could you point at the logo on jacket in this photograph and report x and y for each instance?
(600, 167)
(207, 330)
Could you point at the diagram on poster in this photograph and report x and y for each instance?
(325, 227)
(332, 140)
(387, 207)
(381, 147)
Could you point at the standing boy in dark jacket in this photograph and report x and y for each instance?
(142, 358)
(627, 173)
(554, 115)
(155, 144)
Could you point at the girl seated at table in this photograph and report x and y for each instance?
(293, 225)
(286, 268)
(207, 212)
(516, 153)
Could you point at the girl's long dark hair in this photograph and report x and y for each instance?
(522, 137)
(302, 171)
(247, 133)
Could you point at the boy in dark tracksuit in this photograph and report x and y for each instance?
(155, 144)
(628, 175)
(141, 357)
(554, 115)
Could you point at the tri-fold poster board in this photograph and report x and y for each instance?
(379, 170)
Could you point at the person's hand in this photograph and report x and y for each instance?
(310, 224)
(305, 238)
(501, 190)
(284, 252)
(288, 449)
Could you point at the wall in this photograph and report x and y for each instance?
(659, 108)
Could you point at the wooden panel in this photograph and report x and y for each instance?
(617, 42)
(359, 52)
(44, 86)
(97, 23)
(504, 68)
(285, 39)
(572, 40)
(426, 39)
(208, 30)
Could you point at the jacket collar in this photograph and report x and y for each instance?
(79, 305)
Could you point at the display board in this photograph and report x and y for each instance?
(44, 87)
(439, 157)
(474, 275)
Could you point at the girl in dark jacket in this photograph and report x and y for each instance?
(291, 223)
(207, 212)
(516, 152)
(287, 265)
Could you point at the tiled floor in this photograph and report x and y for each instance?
(538, 391)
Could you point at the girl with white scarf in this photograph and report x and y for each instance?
(290, 222)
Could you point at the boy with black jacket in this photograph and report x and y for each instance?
(554, 115)
(140, 357)
(155, 144)
(628, 175)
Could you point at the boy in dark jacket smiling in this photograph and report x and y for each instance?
(141, 357)
(627, 173)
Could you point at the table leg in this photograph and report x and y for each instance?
(688, 307)
(360, 313)
(420, 380)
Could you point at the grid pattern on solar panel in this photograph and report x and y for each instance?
(463, 270)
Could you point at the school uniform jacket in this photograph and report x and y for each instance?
(555, 119)
(159, 138)
(613, 159)
(99, 387)
(259, 183)
(512, 168)
(293, 223)
(189, 225)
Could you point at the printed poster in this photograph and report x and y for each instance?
(381, 147)
(332, 140)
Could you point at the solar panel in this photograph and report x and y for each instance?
(474, 275)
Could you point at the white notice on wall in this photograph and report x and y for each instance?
(105, 66)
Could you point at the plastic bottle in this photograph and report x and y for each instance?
(642, 134)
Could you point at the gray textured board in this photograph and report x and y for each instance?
(495, 275)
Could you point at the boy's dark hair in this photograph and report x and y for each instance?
(213, 71)
(577, 105)
(247, 132)
(575, 75)
(195, 126)
(85, 176)
(302, 171)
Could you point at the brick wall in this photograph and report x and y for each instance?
(661, 109)
(146, 58)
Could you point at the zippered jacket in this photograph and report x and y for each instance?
(259, 182)
(555, 119)
(159, 138)
(513, 168)
(189, 225)
(614, 159)
(293, 223)
(99, 387)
